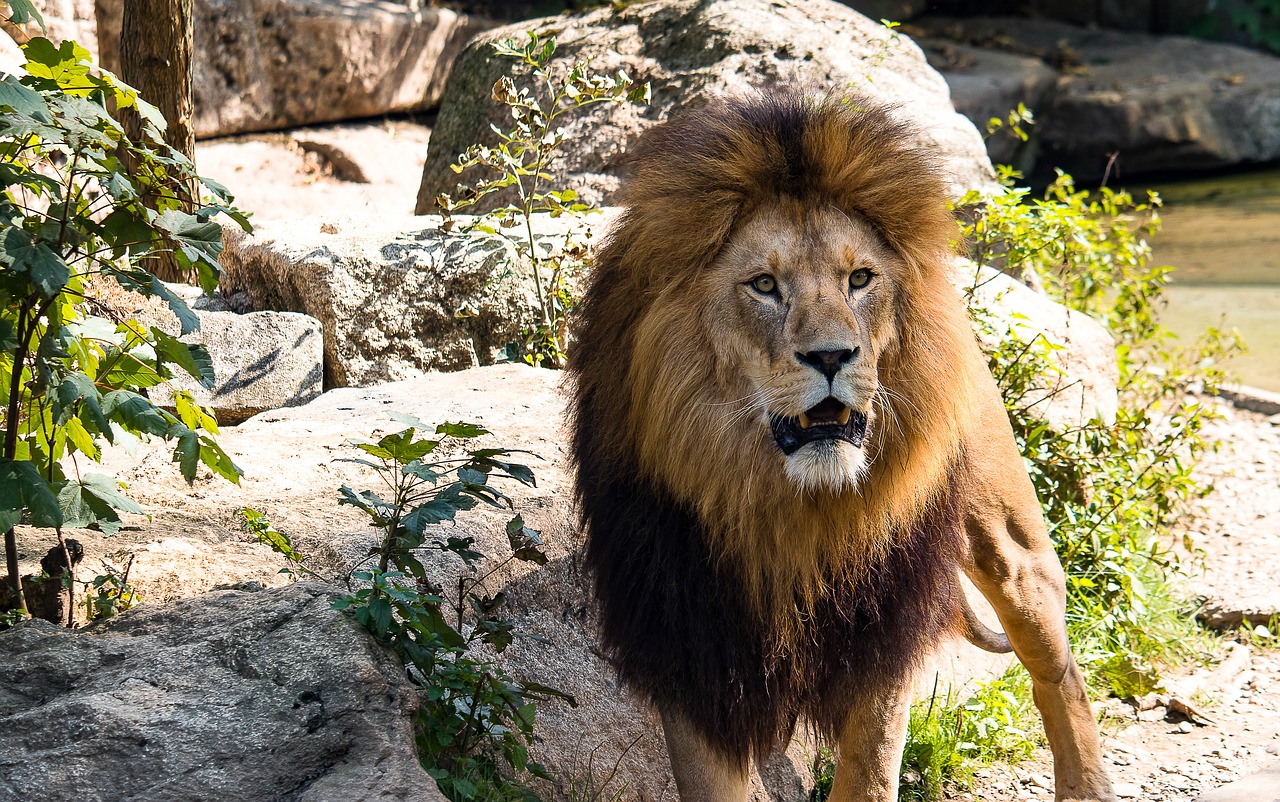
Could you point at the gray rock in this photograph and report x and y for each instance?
(1162, 103)
(268, 64)
(692, 51)
(1229, 613)
(1263, 786)
(395, 297)
(232, 695)
(1090, 374)
(988, 84)
(261, 361)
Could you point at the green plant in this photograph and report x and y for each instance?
(1112, 491)
(521, 161)
(72, 221)
(260, 527)
(1258, 20)
(583, 781)
(110, 593)
(476, 721)
(1015, 124)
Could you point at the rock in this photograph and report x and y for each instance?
(231, 695)
(1230, 613)
(1162, 103)
(692, 51)
(268, 64)
(1263, 786)
(395, 296)
(988, 84)
(261, 361)
(1087, 386)
(1253, 399)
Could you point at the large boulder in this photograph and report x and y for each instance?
(396, 297)
(268, 64)
(988, 84)
(1089, 373)
(231, 695)
(261, 361)
(692, 51)
(1159, 103)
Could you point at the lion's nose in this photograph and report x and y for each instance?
(828, 363)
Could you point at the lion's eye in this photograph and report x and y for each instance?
(765, 284)
(860, 278)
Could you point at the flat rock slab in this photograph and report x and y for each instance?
(1261, 787)
(268, 64)
(1162, 103)
(692, 52)
(230, 695)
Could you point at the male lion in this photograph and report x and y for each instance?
(788, 446)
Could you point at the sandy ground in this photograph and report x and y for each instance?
(305, 172)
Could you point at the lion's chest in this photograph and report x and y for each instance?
(681, 631)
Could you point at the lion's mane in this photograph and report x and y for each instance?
(724, 592)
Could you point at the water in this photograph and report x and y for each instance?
(1223, 236)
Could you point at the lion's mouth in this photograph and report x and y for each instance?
(829, 420)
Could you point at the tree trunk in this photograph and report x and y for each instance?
(156, 40)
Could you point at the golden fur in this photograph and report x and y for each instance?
(695, 411)
(742, 583)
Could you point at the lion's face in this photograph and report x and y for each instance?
(804, 306)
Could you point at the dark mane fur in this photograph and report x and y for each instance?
(674, 616)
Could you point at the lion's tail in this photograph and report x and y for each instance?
(979, 634)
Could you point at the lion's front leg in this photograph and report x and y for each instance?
(702, 774)
(871, 743)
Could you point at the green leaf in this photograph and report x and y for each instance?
(218, 461)
(23, 99)
(199, 241)
(188, 319)
(461, 430)
(134, 413)
(95, 500)
(34, 493)
(192, 358)
(380, 614)
(279, 542)
(525, 542)
(81, 439)
(77, 387)
(47, 270)
(23, 11)
(186, 451)
(404, 449)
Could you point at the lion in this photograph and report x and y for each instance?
(788, 447)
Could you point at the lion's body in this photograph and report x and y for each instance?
(777, 416)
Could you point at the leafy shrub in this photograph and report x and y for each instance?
(521, 162)
(1112, 491)
(476, 722)
(72, 220)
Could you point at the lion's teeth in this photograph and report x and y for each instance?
(805, 423)
(845, 414)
